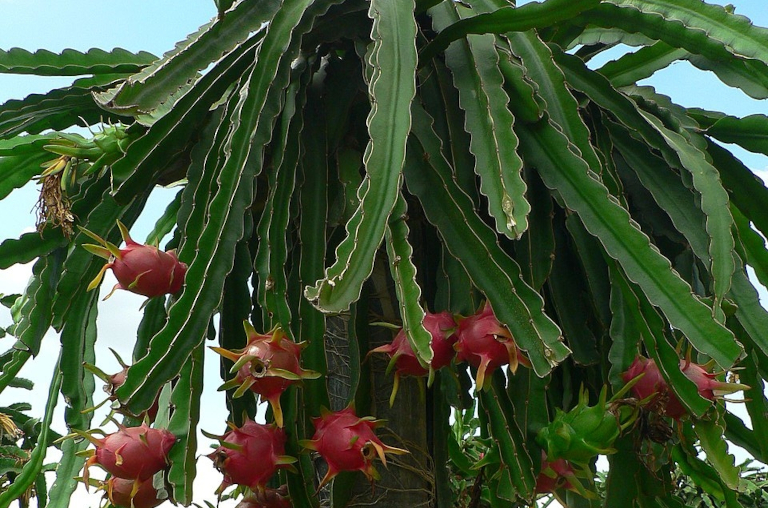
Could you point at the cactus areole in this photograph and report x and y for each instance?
(138, 268)
(249, 455)
(267, 365)
(132, 453)
(348, 443)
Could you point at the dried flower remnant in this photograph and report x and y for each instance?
(53, 206)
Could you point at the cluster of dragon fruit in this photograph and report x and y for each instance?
(249, 455)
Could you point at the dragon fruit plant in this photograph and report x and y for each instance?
(486, 344)
(441, 326)
(586, 431)
(347, 443)
(267, 365)
(250, 455)
(131, 453)
(662, 399)
(138, 268)
(123, 493)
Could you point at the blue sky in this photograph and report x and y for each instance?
(155, 26)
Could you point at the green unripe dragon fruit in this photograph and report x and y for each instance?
(586, 431)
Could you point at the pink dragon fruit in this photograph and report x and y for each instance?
(249, 455)
(486, 344)
(554, 475)
(348, 443)
(559, 474)
(665, 400)
(123, 493)
(441, 326)
(132, 453)
(267, 365)
(138, 268)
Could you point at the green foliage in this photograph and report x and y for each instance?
(345, 163)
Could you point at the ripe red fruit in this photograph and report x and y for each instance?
(268, 498)
(665, 400)
(267, 365)
(131, 452)
(138, 268)
(249, 455)
(554, 475)
(348, 443)
(486, 344)
(119, 492)
(441, 326)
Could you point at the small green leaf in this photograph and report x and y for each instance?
(25, 145)
(747, 190)
(538, 243)
(36, 304)
(166, 222)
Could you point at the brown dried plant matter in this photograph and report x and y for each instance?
(53, 206)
